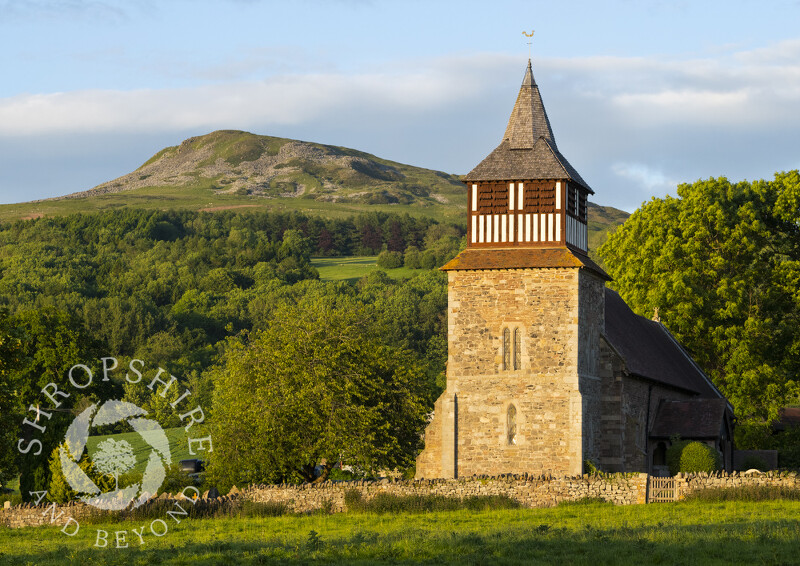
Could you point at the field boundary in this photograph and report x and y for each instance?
(530, 491)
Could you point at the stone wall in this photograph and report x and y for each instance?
(621, 489)
(687, 483)
(68, 514)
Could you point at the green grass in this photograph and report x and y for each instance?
(679, 533)
(179, 449)
(354, 268)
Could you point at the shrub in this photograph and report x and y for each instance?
(59, 490)
(412, 257)
(14, 498)
(176, 480)
(390, 260)
(789, 457)
(692, 457)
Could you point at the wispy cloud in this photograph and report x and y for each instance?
(650, 181)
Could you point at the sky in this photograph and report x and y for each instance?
(642, 95)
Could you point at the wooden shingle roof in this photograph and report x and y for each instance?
(528, 150)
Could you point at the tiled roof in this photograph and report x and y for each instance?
(520, 258)
(689, 419)
(528, 149)
(650, 351)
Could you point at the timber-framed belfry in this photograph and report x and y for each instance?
(547, 369)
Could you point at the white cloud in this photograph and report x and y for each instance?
(650, 180)
(631, 126)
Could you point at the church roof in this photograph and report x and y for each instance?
(528, 149)
(520, 258)
(689, 418)
(650, 351)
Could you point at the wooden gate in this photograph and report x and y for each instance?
(660, 490)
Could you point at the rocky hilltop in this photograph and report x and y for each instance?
(242, 163)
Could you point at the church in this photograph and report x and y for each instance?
(548, 370)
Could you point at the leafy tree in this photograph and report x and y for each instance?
(10, 359)
(390, 260)
(58, 490)
(315, 387)
(722, 264)
(411, 259)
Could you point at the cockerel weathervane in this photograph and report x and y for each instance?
(529, 36)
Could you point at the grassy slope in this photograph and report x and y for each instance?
(355, 267)
(667, 533)
(178, 445)
(199, 198)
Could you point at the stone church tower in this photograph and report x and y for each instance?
(525, 316)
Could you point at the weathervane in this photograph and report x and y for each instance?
(529, 35)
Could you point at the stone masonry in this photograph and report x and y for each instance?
(555, 392)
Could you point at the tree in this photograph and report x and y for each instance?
(315, 387)
(59, 490)
(722, 265)
(10, 359)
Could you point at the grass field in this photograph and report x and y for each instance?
(354, 268)
(178, 446)
(667, 533)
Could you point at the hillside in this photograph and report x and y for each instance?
(230, 169)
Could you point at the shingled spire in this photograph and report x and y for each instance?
(528, 150)
(528, 121)
(526, 195)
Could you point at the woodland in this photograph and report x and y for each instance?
(297, 373)
(179, 289)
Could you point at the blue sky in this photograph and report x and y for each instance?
(642, 95)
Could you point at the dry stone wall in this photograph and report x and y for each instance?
(529, 491)
(687, 483)
(68, 514)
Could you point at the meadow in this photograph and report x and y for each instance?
(354, 268)
(594, 533)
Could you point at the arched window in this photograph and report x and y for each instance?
(517, 349)
(506, 349)
(511, 424)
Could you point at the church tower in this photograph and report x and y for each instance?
(525, 315)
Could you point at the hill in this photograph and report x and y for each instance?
(230, 169)
(234, 169)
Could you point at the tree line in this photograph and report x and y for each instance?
(721, 262)
(179, 288)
